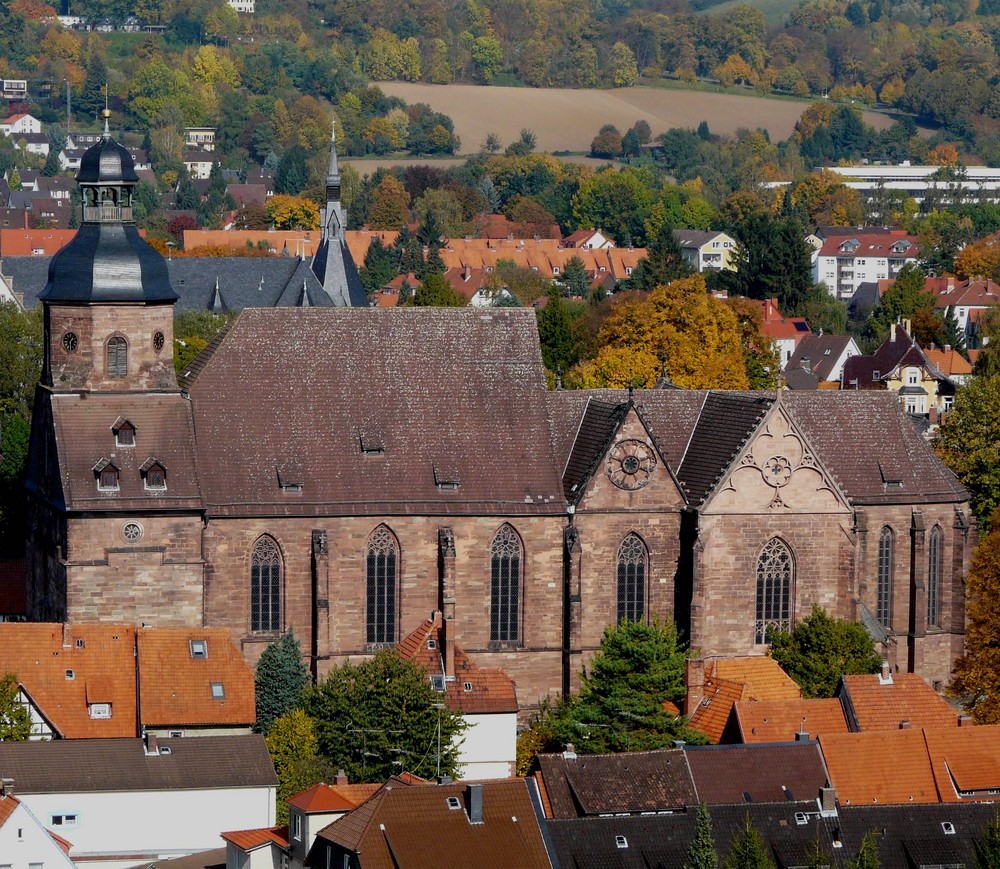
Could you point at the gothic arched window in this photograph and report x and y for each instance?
(933, 577)
(883, 592)
(117, 357)
(774, 590)
(380, 572)
(265, 587)
(631, 579)
(505, 586)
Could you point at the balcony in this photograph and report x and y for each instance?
(105, 213)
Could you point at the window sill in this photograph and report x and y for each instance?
(504, 646)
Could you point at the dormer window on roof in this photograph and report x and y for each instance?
(372, 442)
(290, 476)
(446, 477)
(107, 476)
(154, 475)
(199, 648)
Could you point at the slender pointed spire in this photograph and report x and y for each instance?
(333, 172)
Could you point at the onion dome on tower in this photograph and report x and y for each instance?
(107, 261)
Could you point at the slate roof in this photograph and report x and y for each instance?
(598, 424)
(176, 688)
(396, 826)
(467, 398)
(473, 690)
(84, 438)
(765, 773)
(96, 765)
(598, 784)
(879, 767)
(870, 704)
(780, 720)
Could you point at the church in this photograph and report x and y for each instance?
(346, 472)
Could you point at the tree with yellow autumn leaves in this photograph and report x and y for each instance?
(704, 342)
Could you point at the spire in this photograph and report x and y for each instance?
(106, 114)
(333, 172)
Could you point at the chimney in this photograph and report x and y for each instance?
(467, 273)
(340, 779)
(149, 738)
(947, 348)
(801, 736)
(474, 803)
(885, 676)
(695, 682)
(570, 752)
(447, 643)
(67, 637)
(827, 801)
(965, 721)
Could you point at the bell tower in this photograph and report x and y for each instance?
(108, 302)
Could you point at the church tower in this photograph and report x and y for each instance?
(333, 264)
(108, 302)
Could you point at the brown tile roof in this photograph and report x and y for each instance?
(968, 293)
(871, 705)
(392, 828)
(966, 761)
(879, 767)
(247, 840)
(598, 784)
(819, 353)
(780, 720)
(442, 402)
(728, 774)
(164, 430)
(91, 765)
(176, 688)
(474, 690)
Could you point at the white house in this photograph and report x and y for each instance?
(850, 257)
(24, 842)
(706, 249)
(123, 801)
(20, 123)
(247, 6)
(198, 163)
(588, 239)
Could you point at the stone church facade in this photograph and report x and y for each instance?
(347, 472)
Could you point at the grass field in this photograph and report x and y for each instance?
(776, 11)
(567, 120)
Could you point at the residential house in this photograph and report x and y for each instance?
(818, 362)
(198, 163)
(20, 124)
(588, 239)
(783, 720)
(33, 143)
(786, 332)
(483, 696)
(951, 363)
(491, 823)
(107, 681)
(24, 841)
(202, 138)
(965, 300)
(900, 366)
(704, 250)
(474, 286)
(18, 242)
(850, 257)
(245, 6)
(14, 89)
(113, 797)
(892, 701)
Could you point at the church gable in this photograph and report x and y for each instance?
(627, 470)
(777, 472)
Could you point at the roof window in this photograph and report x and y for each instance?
(70, 675)
(621, 842)
(468, 687)
(199, 648)
(431, 643)
(454, 803)
(437, 682)
(948, 827)
(218, 691)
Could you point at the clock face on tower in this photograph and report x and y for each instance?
(630, 464)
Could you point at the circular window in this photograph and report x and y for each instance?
(132, 532)
(158, 341)
(70, 342)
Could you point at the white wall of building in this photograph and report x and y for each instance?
(490, 746)
(158, 823)
(24, 842)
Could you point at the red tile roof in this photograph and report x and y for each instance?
(474, 690)
(780, 720)
(870, 244)
(966, 761)
(332, 798)
(950, 361)
(250, 839)
(968, 293)
(877, 706)
(879, 767)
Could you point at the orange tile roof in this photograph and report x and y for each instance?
(950, 361)
(250, 839)
(7, 806)
(176, 688)
(907, 698)
(766, 679)
(780, 720)
(879, 767)
(24, 242)
(324, 798)
(474, 690)
(298, 242)
(965, 759)
(717, 702)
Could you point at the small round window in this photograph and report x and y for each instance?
(132, 532)
(70, 342)
(158, 341)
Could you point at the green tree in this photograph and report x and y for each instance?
(819, 650)
(623, 68)
(620, 704)
(748, 850)
(555, 332)
(900, 302)
(436, 292)
(976, 678)
(663, 264)
(279, 680)
(15, 721)
(294, 751)
(381, 717)
(378, 268)
(867, 856)
(188, 198)
(968, 443)
(701, 854)
(986, 848)
(293, 174)
(91, 98)
(575, 277)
